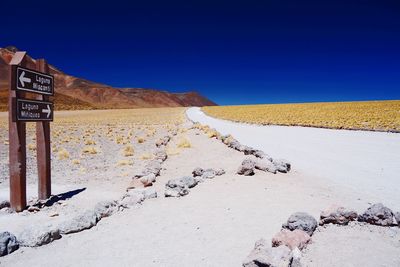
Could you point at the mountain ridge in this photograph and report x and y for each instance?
(78, 93)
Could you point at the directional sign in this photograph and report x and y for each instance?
(33, 81)
(31, 110)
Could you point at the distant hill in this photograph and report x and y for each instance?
(77, 93)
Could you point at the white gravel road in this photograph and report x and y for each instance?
(362, 160)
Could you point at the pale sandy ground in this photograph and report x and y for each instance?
(215, 225)
(368, 162)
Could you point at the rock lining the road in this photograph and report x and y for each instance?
(295, 235)
(181, 187)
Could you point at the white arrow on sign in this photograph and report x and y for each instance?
(24, 79)
(48, 111)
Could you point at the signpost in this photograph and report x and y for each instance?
(22, 110)
(32, 110)
(33, 81)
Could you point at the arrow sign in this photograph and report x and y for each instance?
(34, 81)
(48, 111)
(32, 110)
(23, 79)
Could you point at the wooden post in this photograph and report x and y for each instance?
(17, 141)
(43, 145)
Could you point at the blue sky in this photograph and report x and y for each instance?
(233, 52)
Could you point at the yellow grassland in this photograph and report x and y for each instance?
(366, 115)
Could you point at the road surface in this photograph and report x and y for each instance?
(363, 160)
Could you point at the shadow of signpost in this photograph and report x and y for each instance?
(63, 196)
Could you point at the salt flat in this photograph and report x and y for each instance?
(368, 162)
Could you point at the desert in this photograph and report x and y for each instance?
(210, 224)
(200, 133)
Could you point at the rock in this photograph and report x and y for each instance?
(260, 154)
(33, 209)
(132, 198)
(149, 193)
(266, 165)
(248, 150)
(197, 172)
(161, 155)
(208, 174)
(153, 167)
(179, 187)
(163, 141)
(264, 255)
(247, 167)
(234, 144)
(296, 258)
(397, 217)
(8, 243)
(4, 204)
(302, 221)
(377, 214)
(282, 165)
(219, 171)
(292, 239)
(81, 222)
(337, 215)
(135, 183)
(105, 208)
(189, 181)
(148, 179)
(38, 236)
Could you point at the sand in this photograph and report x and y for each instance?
(217, 224)
(365, 161)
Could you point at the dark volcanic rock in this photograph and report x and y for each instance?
(377, 214)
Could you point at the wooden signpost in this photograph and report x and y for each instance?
(22, 110)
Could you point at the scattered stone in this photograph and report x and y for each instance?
(33, 209)
(208, 174)
(8, 243)
(282, 165)
(302, 221)
(105, 209)
(248, 150)
(4, 204)
(179, 187)
(337, 215)
(263, 255)
(197, 172)
(148, 179)
(153, 167)
(260, 154)
(296, 258)
(163, 141)
(266, 165)
(161, 155)
(397, 217)
(188, 181)
(377, 214)
(219, 171)
(234, 144)
(135, 183)
(247, 167)
(292, 239)
(132, 198)
(149, 193)
(54, 215)
(81, 222)
(38, 236)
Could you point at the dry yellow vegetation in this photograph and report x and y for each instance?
(368, 115)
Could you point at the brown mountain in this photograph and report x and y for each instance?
(77, 93)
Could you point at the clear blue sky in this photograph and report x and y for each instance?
(234, 52)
